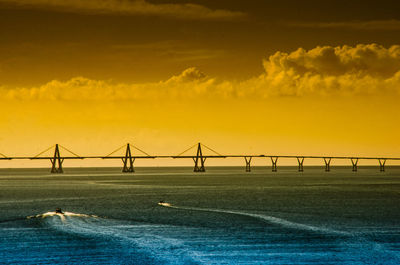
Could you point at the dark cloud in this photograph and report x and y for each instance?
(136, 7)
(391, 25)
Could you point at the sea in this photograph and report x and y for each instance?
(172, 215)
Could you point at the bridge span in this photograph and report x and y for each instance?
(199, 158)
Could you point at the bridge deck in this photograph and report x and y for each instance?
(205, 156)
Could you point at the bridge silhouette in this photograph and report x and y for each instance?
(199, 158)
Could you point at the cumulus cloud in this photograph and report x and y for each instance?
(189, 83)
(344, 70)
(189, 75)
(392, 24)
(324, 70)
(132, 7)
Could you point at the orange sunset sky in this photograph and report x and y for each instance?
(243, 77)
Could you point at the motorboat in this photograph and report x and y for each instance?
(163, 203)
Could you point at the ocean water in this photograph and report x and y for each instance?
(223, 216)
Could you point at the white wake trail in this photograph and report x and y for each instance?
(267, 218)
(61, 215)
(356, 241)
(132, 237)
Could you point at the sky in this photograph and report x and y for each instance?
(243, 77)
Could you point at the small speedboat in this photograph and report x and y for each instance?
(163, 203)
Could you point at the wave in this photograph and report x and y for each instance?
(133, 238)
(168, 244)
(62, 216)
(362, 248)
(267, 218)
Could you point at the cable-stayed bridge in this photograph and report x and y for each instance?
(199, 158)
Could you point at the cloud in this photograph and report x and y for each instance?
(323, 71)
(362, 69)
(134, 7)
(173, 49)
(189, 75)
(353, 25)
(190, 83)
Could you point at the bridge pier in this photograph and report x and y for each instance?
(354, 161)
(274, 160)
(248, 163)
(128, 161)
(199, 160)
(300, 160)
(56, 162)
(327, 161)
(382, 163)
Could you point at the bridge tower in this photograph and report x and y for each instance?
(199, 160)
(382, 163)
(274, 160)
(56, 162)
(300, 160)
(327, 161)
(128, 161)
(354, 162)
(248, 163)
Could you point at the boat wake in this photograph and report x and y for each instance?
(358, 244)
(140, 243)
(61, 215)
(267, 218)
(149, 240)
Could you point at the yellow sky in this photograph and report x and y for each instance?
(275, 126)
(325, 101)
(165, 76)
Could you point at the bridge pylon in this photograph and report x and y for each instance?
(327, 161)
(128, 161)
(199, 160)
(300, 160)
(382, 163)
(274, 160)
(56, 162)
(354, 162)
(248, 163)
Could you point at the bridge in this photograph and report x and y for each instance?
(199, 158)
